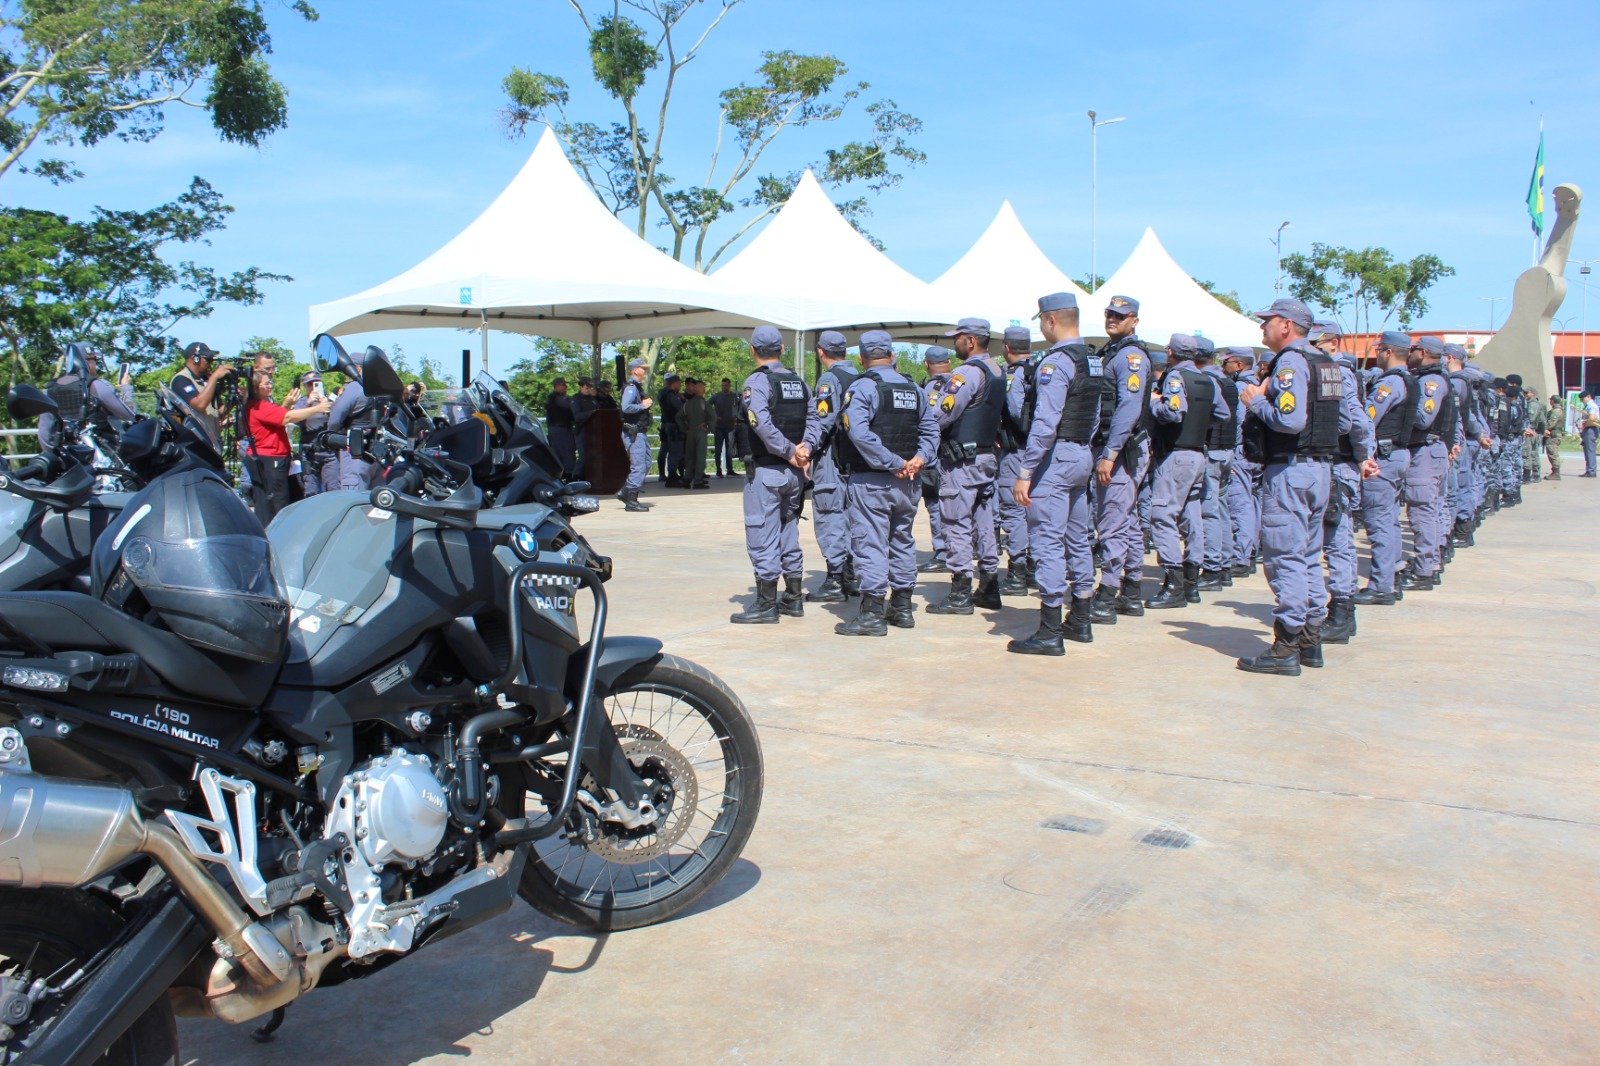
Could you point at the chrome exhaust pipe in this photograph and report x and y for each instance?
(60, 833)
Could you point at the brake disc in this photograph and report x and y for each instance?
(674, 789)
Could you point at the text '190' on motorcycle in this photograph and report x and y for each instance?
(241, 769)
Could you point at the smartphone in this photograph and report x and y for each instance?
(316, 391)
(126, 373)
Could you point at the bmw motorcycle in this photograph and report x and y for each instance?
(238, 770)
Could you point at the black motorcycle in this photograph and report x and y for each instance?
(241, 769)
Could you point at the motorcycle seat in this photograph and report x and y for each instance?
(72, 621)
(71, 490)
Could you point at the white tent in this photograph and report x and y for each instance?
(1002, 276)
(545, 258)
(1170, 301)
(833, 276)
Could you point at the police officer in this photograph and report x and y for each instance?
(1121, 466)
(1053, 479)
(635, 411)
(968, 411)
(1182, 413)
(353, 410)
(783, 428)
(1018, 343)
(1222, 440)
(936, 362)
(583, 407)
(1475, 433)
(83, 398)
(669, 457)
(1292, 429)
(1391, 405)
(828, 487)
(319, 464)
(1511, 447)
(560, 419)
(1244, 509)
(1433, 433)
(890, 434)
(1336, 617)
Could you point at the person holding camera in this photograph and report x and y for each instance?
(267, 423)
(203, 384)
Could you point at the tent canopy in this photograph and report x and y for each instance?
(545, 258)
(1170, 301)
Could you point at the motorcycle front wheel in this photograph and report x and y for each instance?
(692, 740)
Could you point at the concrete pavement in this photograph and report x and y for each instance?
(1134, 853)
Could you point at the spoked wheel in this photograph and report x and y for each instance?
(692, 741)
(45, 936)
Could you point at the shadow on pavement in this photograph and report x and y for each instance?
(1260, 612)
(1232, 641)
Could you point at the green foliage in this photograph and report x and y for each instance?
(1231, 297)
(1354, 283)
(531, 380)
(620, 56)
(1090, 285)
(74, 72)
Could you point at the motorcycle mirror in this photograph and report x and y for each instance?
(26, 401)
(329, 356)
(379, 378)
(77, 360)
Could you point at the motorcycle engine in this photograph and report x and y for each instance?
(394, 808)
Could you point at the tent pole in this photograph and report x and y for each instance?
(594, 352)
(483, 338)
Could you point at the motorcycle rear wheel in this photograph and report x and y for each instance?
(678, 715)
(49, 932)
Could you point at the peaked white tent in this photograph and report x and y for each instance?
(545, 258)
(1170, 301)
(1002, 276)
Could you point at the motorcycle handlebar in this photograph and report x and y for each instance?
(37, 467)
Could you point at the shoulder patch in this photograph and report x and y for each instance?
(823, 407)
(823, 388)
(1430, 386)
(1133, 362)
(747, 394)
(1428, 405)
(1381, 392)
(1286, 402)
(947, 404)
(1286, 378)
(1175, 401)
(1372, 412)
(956, 381)
(1174, 384)
(1045, 370)
(1133, 382)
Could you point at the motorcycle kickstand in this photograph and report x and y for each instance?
(265, 1034)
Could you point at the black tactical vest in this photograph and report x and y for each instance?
(979, 424)
(896, 422)
(1394, 428)
(1519, 413)
(1194, 431)
(639, 419)
(71, 394)
(788, 403)
(1222, 435)
(1081, 412)
(1444, 416)
(1014, 430)
(1320, 438)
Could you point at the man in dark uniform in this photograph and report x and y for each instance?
(635, 411)
(890, 434)
(669, 460)
(1053, 480)
(832, 518)
(936, 361)
(1120, 467)
(1182, 413)
(969, 410)
(725, 402)
(561, 421)
(1018, 342)
(783, 430)
(583, 405)
(81, 397)
(1292, 427)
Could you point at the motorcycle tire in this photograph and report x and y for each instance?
(55, 927)
(561, 880)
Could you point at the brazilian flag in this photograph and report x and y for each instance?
(1536, 190)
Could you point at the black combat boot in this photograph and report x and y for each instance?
(1462, 537)
(1214, 580)
(936, 565)
(868, 621)
(830, 591)
(959, 600)
(1130, 601)
(1242, 570)
(1033, 571)
(1283, 657)
(1410, 580)
(1046, 640)
(900, 613)
(1191, 582)
(630, 502)
(1103, 608)
(764, 611)
(792, 601)
(987, 595)
(848, 579)
(1015, 583)
(1077, 626)
(1371, 597)
(1311, 646)
(1341, 622)
(1171, 594)
(1449, 553)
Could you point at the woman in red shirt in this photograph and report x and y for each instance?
(267, 422)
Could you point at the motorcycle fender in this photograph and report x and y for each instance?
(622, 660)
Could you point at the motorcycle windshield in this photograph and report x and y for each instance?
(527, 431)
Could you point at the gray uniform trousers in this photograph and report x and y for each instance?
(1464, 471)
(1587, 439)
(1339, 535)
(882, 543)
(1244, 507)
(1013, 516)
(637, 444)
(1175, 491)
(1294, 494)
(1380, 513)
(772, 521)
(1425, 499)
(829, 507)
(1058, 524)
(355, 473)
(1218, 553)
(966, 511)
(1117, 519)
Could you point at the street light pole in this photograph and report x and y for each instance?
(1277, 242)
(1094, 192)
(1492, 301)
(1583, 337)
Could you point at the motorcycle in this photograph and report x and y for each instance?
(239, 771)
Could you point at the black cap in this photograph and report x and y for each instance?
(200, 350)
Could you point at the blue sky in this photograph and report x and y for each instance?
(1408, 125)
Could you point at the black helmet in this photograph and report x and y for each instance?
(187, 554)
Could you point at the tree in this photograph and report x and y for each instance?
(1231, 298)
(1355, 283)
(623, 158)
(1088, 285)
(75, 73)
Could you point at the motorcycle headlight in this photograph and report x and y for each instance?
(580, 504)
(525, 542)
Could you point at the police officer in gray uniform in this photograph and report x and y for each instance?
(890, 434)
(319, 465)
(969, 411)
(1434, 431)
(828, 487)
(635, 411)
(1182, 413)
(1337, 618)
(354, 411)
(1053, 481)
(936, 362)
(1018, 341)
(1121, 465)
(1292, 429)
(783, 428)
(1464, 381)
(1222, 440)
(1243, 476)
(1391, 399)
(81, 397)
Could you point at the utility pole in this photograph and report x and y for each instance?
(1277, 242)
(1094, 180)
